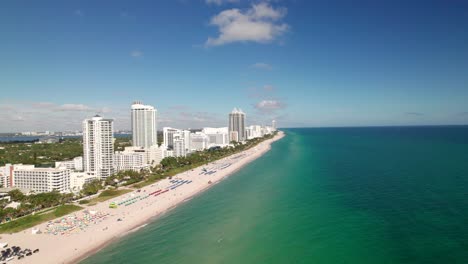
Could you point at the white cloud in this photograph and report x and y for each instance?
(261, 66)
(74, 107)
(136, 54)
(261, 23)
(18, 116)
(269, 105)
(220, 2)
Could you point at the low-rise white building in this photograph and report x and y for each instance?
(198, 141)
(130, 160)
(217, 136)
(78, 179)
(75, 164)
(156, 154)
(41, 179)
(254, 131)
(169, 153)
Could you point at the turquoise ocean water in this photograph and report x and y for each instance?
(324, 195)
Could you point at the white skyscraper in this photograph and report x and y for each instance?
(237, 124)
(98, 147)
(273, 125)
(144, 133)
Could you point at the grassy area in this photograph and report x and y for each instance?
(32, 220)
(108, 194)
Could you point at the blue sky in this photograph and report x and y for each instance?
(304, 63)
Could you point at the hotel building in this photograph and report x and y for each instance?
(237, 124)
(98, 147)
(41, 179)
(144, 133)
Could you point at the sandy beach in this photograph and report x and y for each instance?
(76, 236)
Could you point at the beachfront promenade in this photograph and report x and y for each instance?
(73, 237)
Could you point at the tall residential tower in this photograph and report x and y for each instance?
(144, 133)
(237, 125)
(98, 147)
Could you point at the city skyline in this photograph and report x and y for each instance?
(305, 65)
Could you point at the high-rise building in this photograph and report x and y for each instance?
(168, 136)
(237, 124)
(144, 133)
(98, 147)
(179, 145)
(273, 125)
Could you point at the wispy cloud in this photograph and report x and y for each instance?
(136, 54)
(261, 23)
(36, 116)
(261, 66)
(220, 2)
(185, 117)
(414, 113)
(73, 107)
(268, 106)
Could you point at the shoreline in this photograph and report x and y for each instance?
(78, 246)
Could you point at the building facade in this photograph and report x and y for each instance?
(217, 136)
(168, 136)
(98, 147)
(76, 164)
(135, 161)
(144, 133)
(42, 179)
(237, 124)
(179, 146)
(198, 141)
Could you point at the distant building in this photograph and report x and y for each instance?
(76, 164)
(48, 140)
(129, 160)
(217, 136)
(6, 174)
(198, 141)
(42, 179)
(168, 136)
(237, 124)
(273, 125)
(156, 154)
(144, 133)
(254, 131)
(98, 147)
(78, 179)
(179, 146)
